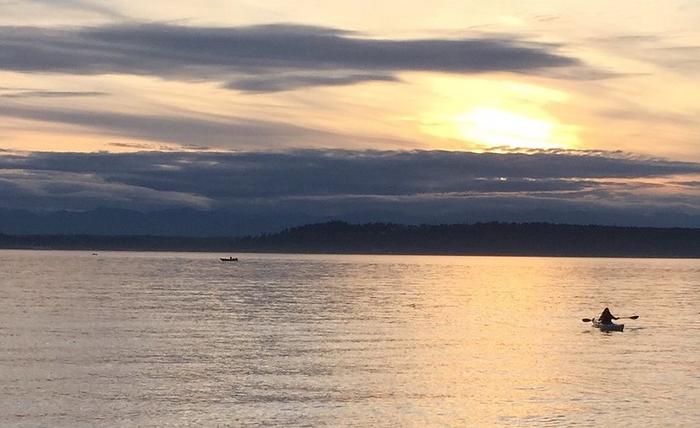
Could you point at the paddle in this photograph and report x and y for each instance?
(633, 317)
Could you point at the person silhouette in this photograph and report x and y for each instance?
(606, 317)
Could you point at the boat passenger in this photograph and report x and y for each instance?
(606, 317)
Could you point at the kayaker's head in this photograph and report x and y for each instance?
(606, 311)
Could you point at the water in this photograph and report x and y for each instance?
(182, 339)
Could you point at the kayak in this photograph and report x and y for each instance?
(607, 327)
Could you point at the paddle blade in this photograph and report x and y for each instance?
(634, 317)
(586, 320)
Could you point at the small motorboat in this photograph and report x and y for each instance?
(228, 259)
(607, 327)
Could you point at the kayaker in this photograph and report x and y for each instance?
(606, 317)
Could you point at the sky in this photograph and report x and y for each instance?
(372, 110)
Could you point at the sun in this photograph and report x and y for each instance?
(487, 114)
(494, 127)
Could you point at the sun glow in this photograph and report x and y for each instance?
(495, 127)
(483, 114)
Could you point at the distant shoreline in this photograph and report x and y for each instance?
(237, 253)
(481, 239)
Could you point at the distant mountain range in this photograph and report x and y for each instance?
(255, 220)
(527, 239)
(171, 222)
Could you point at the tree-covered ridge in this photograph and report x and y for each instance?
(486, 238)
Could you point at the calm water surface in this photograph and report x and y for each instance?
(182, 339)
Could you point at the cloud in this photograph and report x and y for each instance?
(189, 131)
(692, 183)
(342, 182)
(660, 51)
(89, 6)
(67, 190)
(286, 82)
(261, 57)
(49, 94)
(632, 112)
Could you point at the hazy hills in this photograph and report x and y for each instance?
(171, 222)
(256, 220)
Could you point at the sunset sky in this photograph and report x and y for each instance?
(367, 110)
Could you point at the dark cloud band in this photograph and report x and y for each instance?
(415, 186)
(221, 175)
(278, 57)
